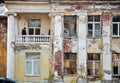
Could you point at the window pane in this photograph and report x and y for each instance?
(97, 65)
(32, 56)
(90, 71)
(115, 67)
(66, 18)
(115, 29)
(90, 65)
(90, 56)
(97, 18)
(90, 18)
(73, 19)
(70, 63)
(116, 18)
(96, 57)
(34, 23)
(28, 67)
(90, 30)
(73, 30)
(37, 31)
(36, 67)
(66, 30)
(97, 30)
(31, 31)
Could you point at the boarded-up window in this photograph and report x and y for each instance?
(70, 63)
(94, 26)
(93, 64)
(32, 64)
(69, 26)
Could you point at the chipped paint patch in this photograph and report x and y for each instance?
(58, 62)
(67, 45)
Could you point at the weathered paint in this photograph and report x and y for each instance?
(70, 45)
(82, 24)
(115, 45)
(58, 44)
(94, 45)
(106, 20)
(67, 45)
(58, 62)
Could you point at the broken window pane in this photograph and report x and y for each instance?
(73, 29)
(66, 31)
(70, 63)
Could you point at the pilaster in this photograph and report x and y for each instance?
(82, 29)
(10, 45)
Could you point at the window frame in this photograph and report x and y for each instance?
(69, 26)
(34, 28)
(118, 24)
(93, 22)
(94, 63)
(32, 61)
(118, 61)
(73, 54)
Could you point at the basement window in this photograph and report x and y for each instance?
(93, 64)
(70, 66)
(32, 64)
(116, 64)
(94, 27)
(69, 26)
(116, 26)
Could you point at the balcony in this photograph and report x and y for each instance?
(33, 39)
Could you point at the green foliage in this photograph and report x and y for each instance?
(100, 75)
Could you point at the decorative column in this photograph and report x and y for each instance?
(10, 45)
(57, 42)
(106, 18)
(82, 38)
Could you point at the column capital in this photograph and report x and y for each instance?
(12, 13)
(56, 14)
(82, 16)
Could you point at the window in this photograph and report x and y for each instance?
(34, 26)
(94, 26)
(69, 26)
(116, 26)
(93, 64)
(116, 64)
(32, 64)
(70, 63)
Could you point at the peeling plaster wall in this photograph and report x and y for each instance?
(115, 45)
(94, 45)
(70, 45)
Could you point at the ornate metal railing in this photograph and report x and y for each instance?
(33, 39)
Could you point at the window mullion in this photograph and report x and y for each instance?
(93, 68)
(32, 68)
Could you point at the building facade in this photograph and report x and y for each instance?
(61, 38)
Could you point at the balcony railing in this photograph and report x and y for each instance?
(33, 39)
